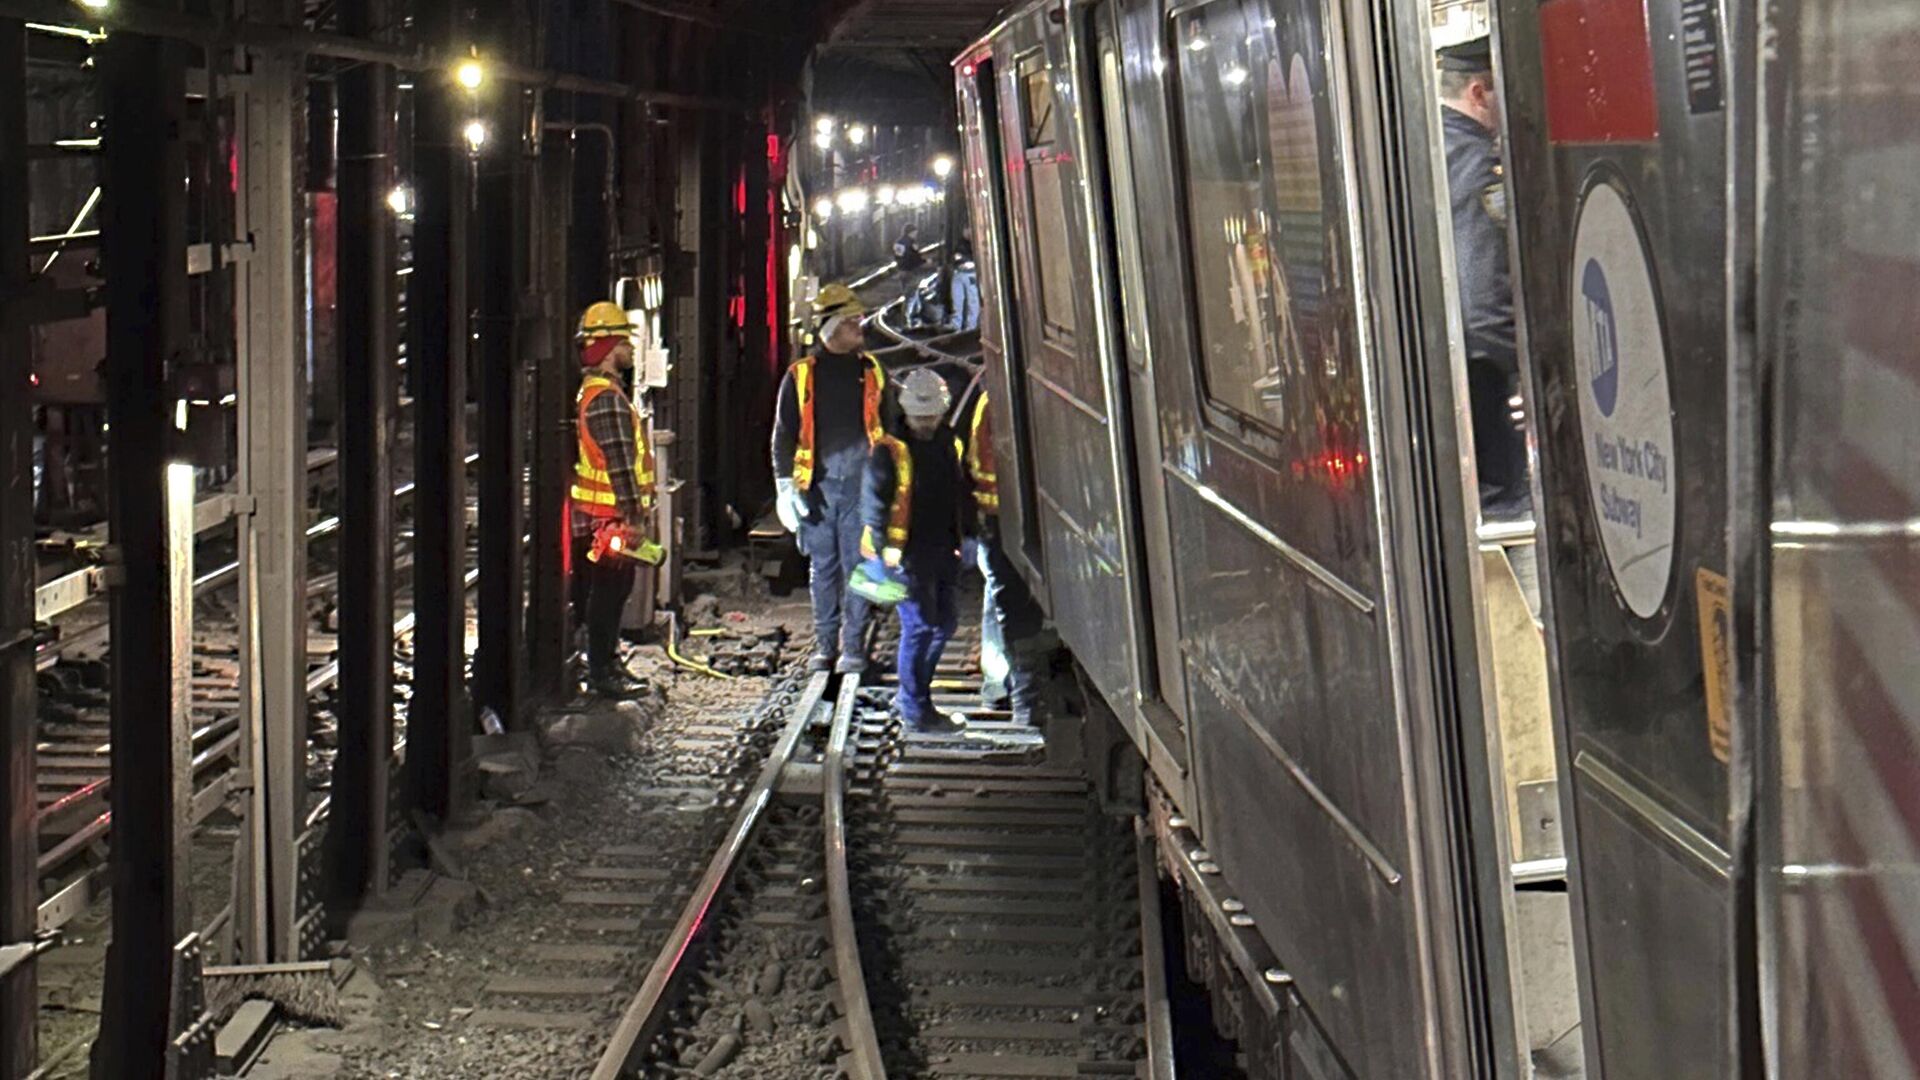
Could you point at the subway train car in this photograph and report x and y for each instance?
(1447, 798)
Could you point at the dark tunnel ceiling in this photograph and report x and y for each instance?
(887, 60)
(944, 26)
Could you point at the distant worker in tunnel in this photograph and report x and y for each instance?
(827, 416)
(963, 296)
(613, 495)
(1470, 117)
(1010, 620)
(914, 513)
(911, 264)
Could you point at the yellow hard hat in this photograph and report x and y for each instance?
(604, 319)
(836, 300)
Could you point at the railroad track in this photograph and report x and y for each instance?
(890, 905)
(73, 770)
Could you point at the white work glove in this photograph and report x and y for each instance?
(790, 503)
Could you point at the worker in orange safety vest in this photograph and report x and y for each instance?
(1011, 622)
(828, 415)
(612, 495)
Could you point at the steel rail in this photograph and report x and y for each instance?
(856, 1010)
(96, 635)
(1158, 1020)
(647, 1012)
(885, 268)
(224, 742)
(926, 349)
(328, 673)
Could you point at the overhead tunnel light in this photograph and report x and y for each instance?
(470, 74)
(94, 5)
(825, 126)
(824, 140)
(476, 135)
(885, 195)
(857, 134)
(823, 209)
(400, 199)
(853, 200)
(943, 166)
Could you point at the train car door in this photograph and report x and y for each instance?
(1127, 358)
(1284, 174)
(1617, 149)
(1078, 468)
(982, 132)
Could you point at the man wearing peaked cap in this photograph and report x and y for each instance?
(1470, 118)
(1470, 57)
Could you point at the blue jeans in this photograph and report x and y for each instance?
(1009, 621)
(927, 618)
(963, 301)
(910, 289)
(831, 543)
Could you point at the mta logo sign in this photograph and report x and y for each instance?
(1605, 377)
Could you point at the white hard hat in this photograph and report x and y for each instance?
(924, 393)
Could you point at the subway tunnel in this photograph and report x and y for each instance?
(1228, 539)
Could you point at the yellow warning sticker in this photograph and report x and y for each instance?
(1713, 596)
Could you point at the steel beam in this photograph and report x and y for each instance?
(273, 478)
(143, 225)
(548, 636)
(367, 48)
(695, 315)
(505, 193)
(19, 883)
(357, 834)
(439, 730)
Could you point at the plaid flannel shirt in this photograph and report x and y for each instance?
(610, 422)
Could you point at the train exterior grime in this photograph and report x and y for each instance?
(1649, 817)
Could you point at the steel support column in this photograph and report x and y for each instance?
(549, 640)
(696, 276)
(19, 883)
(439, 729)
(503, 202)
(273, 477)
(357, 833)
(143, 233)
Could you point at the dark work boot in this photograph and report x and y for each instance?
(612, 684)
(938, 723)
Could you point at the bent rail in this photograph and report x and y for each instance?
(646, 1014)
(862, 1040)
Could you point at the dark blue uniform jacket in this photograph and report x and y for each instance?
(1479, 214)
(940, 499)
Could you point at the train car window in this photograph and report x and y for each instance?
(1048, 195)
(1264, 221)
(1042, 123)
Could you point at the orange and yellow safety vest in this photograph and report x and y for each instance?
(900, 513)
(592, 486)
(980, 463)
(873, 386)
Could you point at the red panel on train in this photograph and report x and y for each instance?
(1598, 66)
